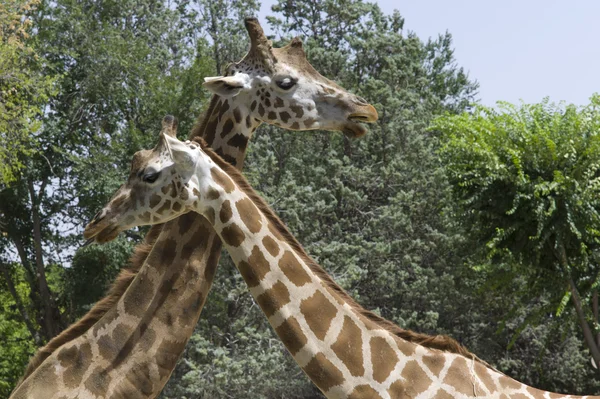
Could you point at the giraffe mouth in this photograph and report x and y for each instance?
(354, 129)
(100, 233)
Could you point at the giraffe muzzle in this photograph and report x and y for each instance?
(366, 113)
(97, 218)
(101, 229)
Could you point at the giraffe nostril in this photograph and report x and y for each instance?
(361, 101)
(97, 218)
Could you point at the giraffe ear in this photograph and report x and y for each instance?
(227, 86)
(181, 154)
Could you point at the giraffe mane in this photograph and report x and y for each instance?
(439, 342)
(121, 283)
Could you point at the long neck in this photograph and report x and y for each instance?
(227, 128)
(344, 350)
(129, 350)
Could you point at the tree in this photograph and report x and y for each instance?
(117, 69)
(23, 87)
(528, 182)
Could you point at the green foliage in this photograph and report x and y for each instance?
(23, 87)
(16, 344)
(527, 183)
(92, 270)
(528, 180)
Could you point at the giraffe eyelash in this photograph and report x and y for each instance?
(150, 177)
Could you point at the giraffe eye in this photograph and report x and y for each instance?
(286, 84)
(150, 177)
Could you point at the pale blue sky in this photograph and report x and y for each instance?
(525, 49)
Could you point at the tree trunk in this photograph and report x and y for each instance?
(214, 29)
(51, 316)
(588, 334)
(595, 312)
(11, 288)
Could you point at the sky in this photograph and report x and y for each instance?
(517, 50)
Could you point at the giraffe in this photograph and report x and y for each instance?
(128, 344)
(347, 351)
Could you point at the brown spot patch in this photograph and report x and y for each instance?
(255, 269)
(441, 394)
(272, 115)
(76, 361)
(227, 128)
(97, 382)
(165, 207)
(319, 313)
(504, 381)
(291, 335)
(136, 299)
(222, 180)
(458, 373)
(167, 354)
(364, 392)
(323, 373)
(297, 110)
(407, 348)
(309, 122)
(154, 201)
(233, 235)
(237, 115)
(274, 298)
(185, 223)
(278, 103)
(212, 193)
(176, 207)
(184, 195)
(225, 213)
(249, 215)
(485, 377)
(271, 246)
(44, 382)
(293, 269)
(141, 378)
(238, 140)
(434, 362)
(261, 110)
(397, 390)
(196, 243)
(415, 379)
(295, 126)
(348, 347)
(107, 348)
(168, 190)
(383, 358)
(284, 116)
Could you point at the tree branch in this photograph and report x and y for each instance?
(588, 335)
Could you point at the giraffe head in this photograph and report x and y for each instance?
(158, 186)
(163, 183)
(279, 86)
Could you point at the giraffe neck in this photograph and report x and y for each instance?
(344, 350)
(227, 129)
(130, 344)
